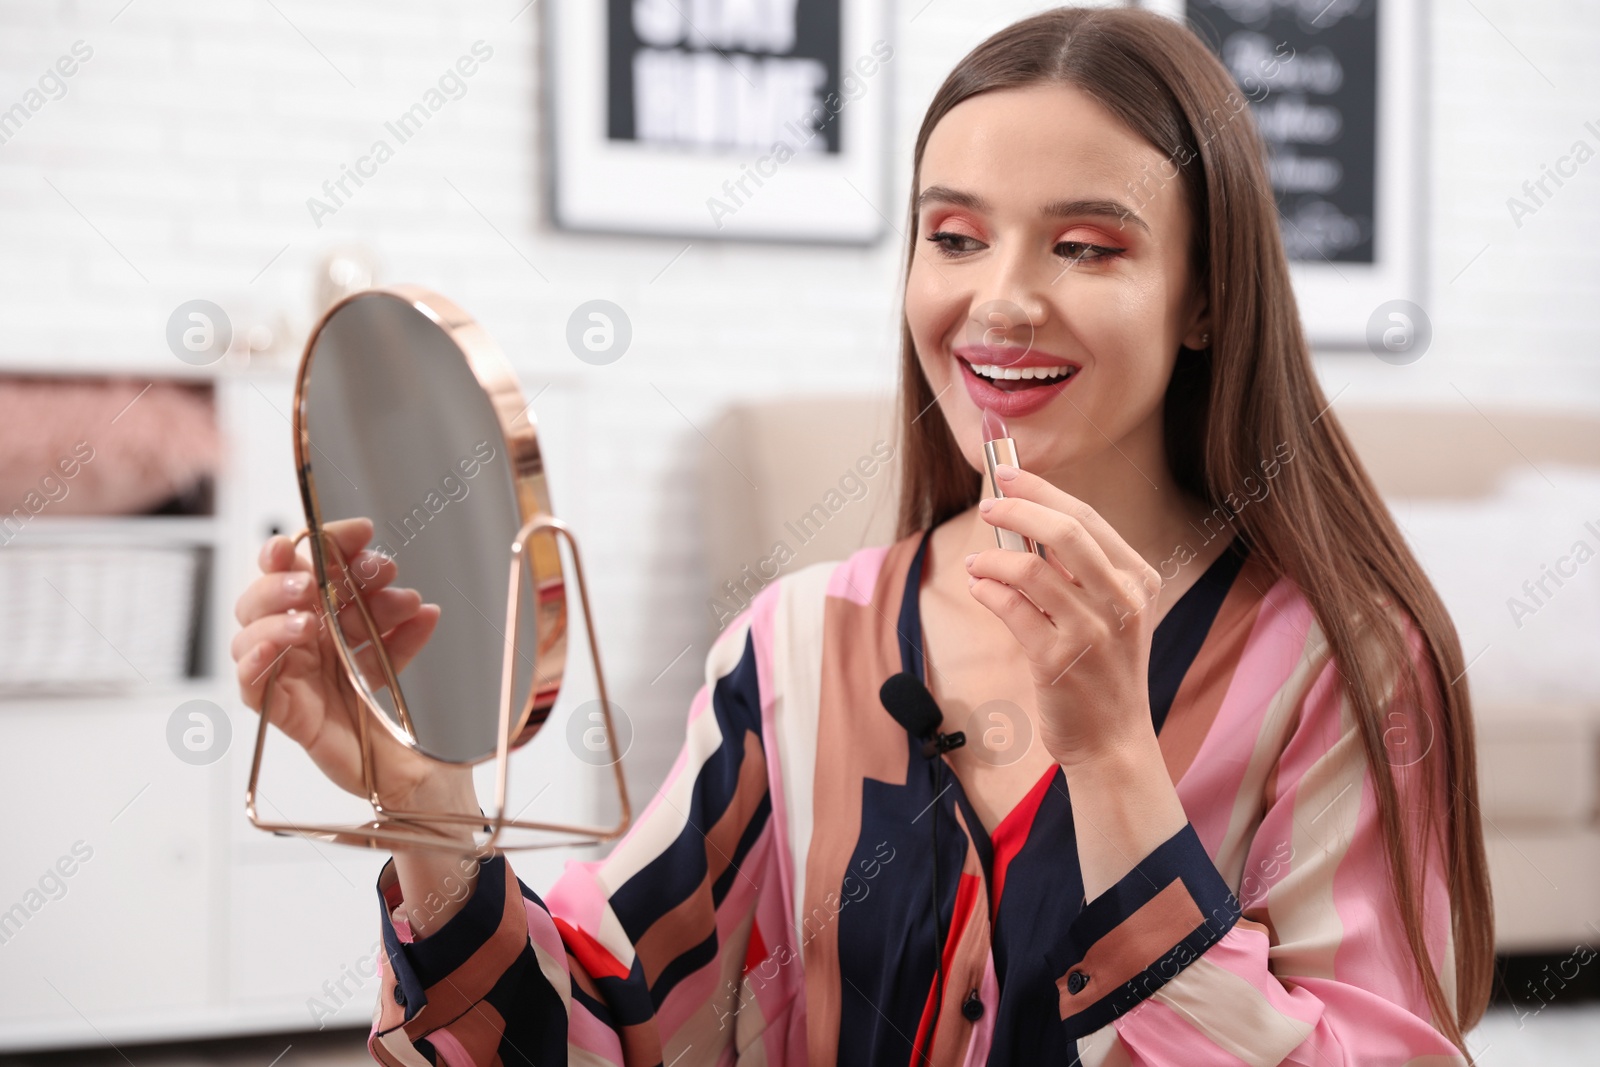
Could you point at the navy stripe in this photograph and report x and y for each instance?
(677, 870)
(884, 919)
(628, 998)
(598, 1008)
(909, 626)
(1043, 894)
(686, 964)
(1183, 629)
(535, 1019)
(424, 963)
(1181, 857)
(752, 831)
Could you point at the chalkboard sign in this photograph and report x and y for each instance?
(1310, 72)
(1335, 88)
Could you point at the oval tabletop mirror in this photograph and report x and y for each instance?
(408, 415)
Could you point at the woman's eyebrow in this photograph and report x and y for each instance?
(1096, 208)
(943, 194)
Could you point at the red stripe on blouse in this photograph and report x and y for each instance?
(1012, 833)
(966, 902)
(757, 950)
(588, 952)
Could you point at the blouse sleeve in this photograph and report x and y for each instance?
(628, 960)
(1308, 963)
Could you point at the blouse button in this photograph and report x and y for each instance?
(399, 995)
(1076, 981)
(972, 1007)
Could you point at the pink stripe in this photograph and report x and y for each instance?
(698, 704)
(1372, 949)
(1351, 1024)
(763, 631)
(763, 637)
(543, 933)
(1153, 1033)
(584, 1031)
(1367, 1026)
(576, 897)
(588, 1034)
(855, 578)
(1271, 852)
(451, 1054)
(692, 992)
(1276, 643)
(1243, 950)
(782, 1000)
(1373, 953)
(983, 1033)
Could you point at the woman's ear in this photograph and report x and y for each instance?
(1198, 335)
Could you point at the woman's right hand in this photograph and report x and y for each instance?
(284, 624)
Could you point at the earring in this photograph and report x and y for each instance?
(1205, 340)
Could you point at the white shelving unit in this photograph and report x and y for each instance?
(174, 919)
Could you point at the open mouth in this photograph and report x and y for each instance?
(1018, 379)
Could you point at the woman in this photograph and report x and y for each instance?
(1235, 816)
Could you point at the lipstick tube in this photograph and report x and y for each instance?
(997, 451)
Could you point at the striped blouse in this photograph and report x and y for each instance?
(774, 903)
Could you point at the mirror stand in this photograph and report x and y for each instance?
(391, 827)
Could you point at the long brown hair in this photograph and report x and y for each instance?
(1250, 392)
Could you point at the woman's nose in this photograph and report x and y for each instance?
(1016, 302)
(998, 322)
(1010, 311)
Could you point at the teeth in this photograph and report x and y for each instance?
(990, 370)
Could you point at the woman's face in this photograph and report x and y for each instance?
(1053, 244)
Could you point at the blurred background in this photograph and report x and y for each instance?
(185, 186)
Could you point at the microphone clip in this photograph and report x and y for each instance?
(939, 744)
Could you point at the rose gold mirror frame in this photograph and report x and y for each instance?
(534, 550)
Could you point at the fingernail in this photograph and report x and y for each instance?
(971, 581)
(1005, 471)
(295, 584)
(970, 558)
(297, 624)
(986, 503)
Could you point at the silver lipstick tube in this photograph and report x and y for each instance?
(1004, 450)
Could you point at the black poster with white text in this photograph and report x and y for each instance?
(713, 75)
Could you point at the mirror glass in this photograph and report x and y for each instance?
(408, 415)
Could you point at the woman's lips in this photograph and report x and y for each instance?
(1018, 397)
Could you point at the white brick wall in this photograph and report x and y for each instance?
(192, 138)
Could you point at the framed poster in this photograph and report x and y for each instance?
(763, 119)
(1335, 88)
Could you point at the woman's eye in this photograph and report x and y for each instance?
(954, 243)
(1079, 251)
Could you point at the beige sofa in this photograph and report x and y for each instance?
(787, 484)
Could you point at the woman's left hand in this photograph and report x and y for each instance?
(1083, 616)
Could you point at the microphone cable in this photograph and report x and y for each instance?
(909, 703)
